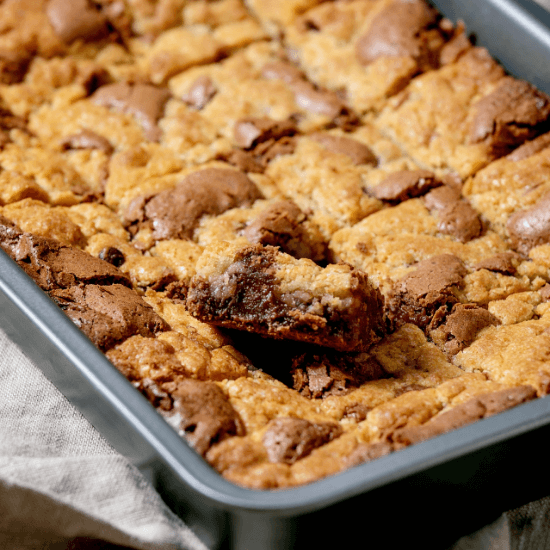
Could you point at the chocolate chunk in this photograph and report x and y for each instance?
(176, 291)
(175, 213)
(108, 314)
(441, 271)
(452, 180)
(251, 131)
(530, 148)
(456, 215)
(112, 255)
(258, 158)
(317, 375)
(281, 224)
(461, 221)
(163, 282)
(365, 452)
(502, 262)
(86, 139)
(269, 150)
(14, 64)
(442, 197)
(276, 225)
(404, 185)
(53, 265)
(318, 101)
(93, 77)
(309, 97)
(246, 161)
(358, 152)
(10, 233)
(417, 296)
(531, 227)
(72, 19)
(200, 93)
(144, 102)
(512, 114)
(202, 414)
(289, 439)
(357, 412)
(157, 397)
(282, 70)
(477, 408)
(402, 29)
(456, 330)
(545, 292)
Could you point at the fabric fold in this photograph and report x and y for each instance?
(60, 480)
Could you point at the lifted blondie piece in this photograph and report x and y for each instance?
(261, 290)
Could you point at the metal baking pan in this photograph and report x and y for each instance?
(431, 493)
(516, 32)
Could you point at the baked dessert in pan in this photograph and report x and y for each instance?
(310, 236)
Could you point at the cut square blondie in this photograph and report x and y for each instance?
(262, 290)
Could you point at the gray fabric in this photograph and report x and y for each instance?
(530, 525)
(495, 536)
(524, 528)
(59, 479)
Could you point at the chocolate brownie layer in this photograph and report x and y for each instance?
(202, 414)
(434, 283)
(53, 265)
(108, 314)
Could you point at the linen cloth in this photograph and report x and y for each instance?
(60, 480)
